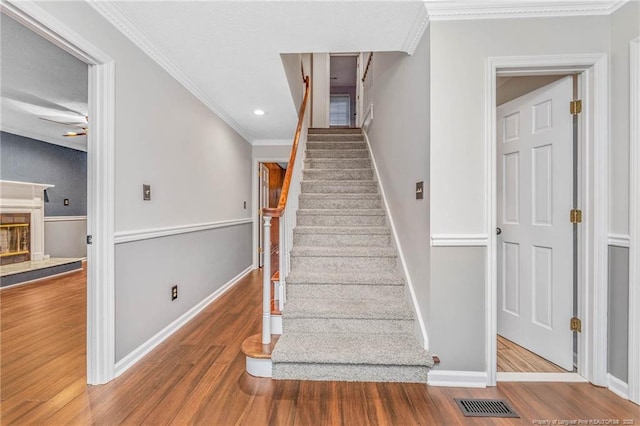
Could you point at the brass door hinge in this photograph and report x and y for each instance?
(575, 216)
(575, 107)
(260, 250)
(576, 324)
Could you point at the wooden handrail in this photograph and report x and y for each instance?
(366, 70)
(277, 211)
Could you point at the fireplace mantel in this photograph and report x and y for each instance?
(26, 197)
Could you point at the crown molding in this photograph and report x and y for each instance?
(118, 19)
(492, 9)
(416, 31)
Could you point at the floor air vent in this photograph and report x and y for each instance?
(485, 408)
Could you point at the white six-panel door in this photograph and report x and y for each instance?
(535, 196)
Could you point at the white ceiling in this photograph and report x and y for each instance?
(40, 80)
(229, 52)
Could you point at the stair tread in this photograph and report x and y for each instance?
(353, 251)
(349, 348)
(338, 196)
(343, 230)
(369, 309)
(355, 277)
(342, 212)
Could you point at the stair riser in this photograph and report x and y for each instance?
(319, 220)
(337, 164)
(336, 138)
(338, 175)
(337, 145)
(313, 263)
(343, 291)
(333, 131)
(350, 372)
(337, 153)
(306, 203)
(344, 325)
(333, 240)
(339, 188)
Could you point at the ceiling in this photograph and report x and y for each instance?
(227, 53)
(40, 80)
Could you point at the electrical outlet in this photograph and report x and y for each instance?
(66, 202)
(174, 292)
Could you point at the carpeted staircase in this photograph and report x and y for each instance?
(346, 317)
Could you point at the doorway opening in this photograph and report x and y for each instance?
(592, 195)
(270, 180)
(344, 90)
(537, 246)
(100, 293)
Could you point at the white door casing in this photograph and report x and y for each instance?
(263, 202)
(535, 195)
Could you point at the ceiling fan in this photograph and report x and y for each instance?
(82, 126)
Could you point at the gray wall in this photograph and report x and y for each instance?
(198, 176)
(399, 137)
(65, 238)
(198, 262)
(28, 160)
(618, 327)
(456, 318)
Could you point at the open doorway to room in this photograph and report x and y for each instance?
(270, 180)
(43, 212)
(344, 90)
(537, 246)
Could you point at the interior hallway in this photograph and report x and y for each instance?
(198, 376)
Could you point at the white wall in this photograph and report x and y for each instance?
(199, 170)
(459, 50)
(291, 63)
(320, 90)
(625, 26)
(458, 54)
(399, 137)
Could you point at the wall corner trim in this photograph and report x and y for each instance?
(137, 354)
(462, 379)
(145, 234)
(617, 386)
(405, 269)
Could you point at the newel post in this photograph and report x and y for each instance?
(266, 282)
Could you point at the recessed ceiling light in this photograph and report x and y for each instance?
(258, 112)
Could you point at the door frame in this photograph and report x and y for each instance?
(359, 87)
(100, 182)
(634, 222)
(593, 194)
(255, 197)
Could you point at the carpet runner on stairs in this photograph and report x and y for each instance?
(346, 317)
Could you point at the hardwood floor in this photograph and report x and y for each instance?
(197, 376)
(515, 358)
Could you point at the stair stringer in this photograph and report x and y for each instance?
(420, 329)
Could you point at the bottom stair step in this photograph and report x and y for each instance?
(374, 357)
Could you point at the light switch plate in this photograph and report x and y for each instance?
(419, 190)
(146, 192)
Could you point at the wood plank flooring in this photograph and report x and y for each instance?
(515, 358)
(197, 376)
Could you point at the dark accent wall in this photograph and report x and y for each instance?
(29, 160)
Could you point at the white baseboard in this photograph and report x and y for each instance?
(540, 377)
(617, 386)
(137, 354)
(458, 379)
